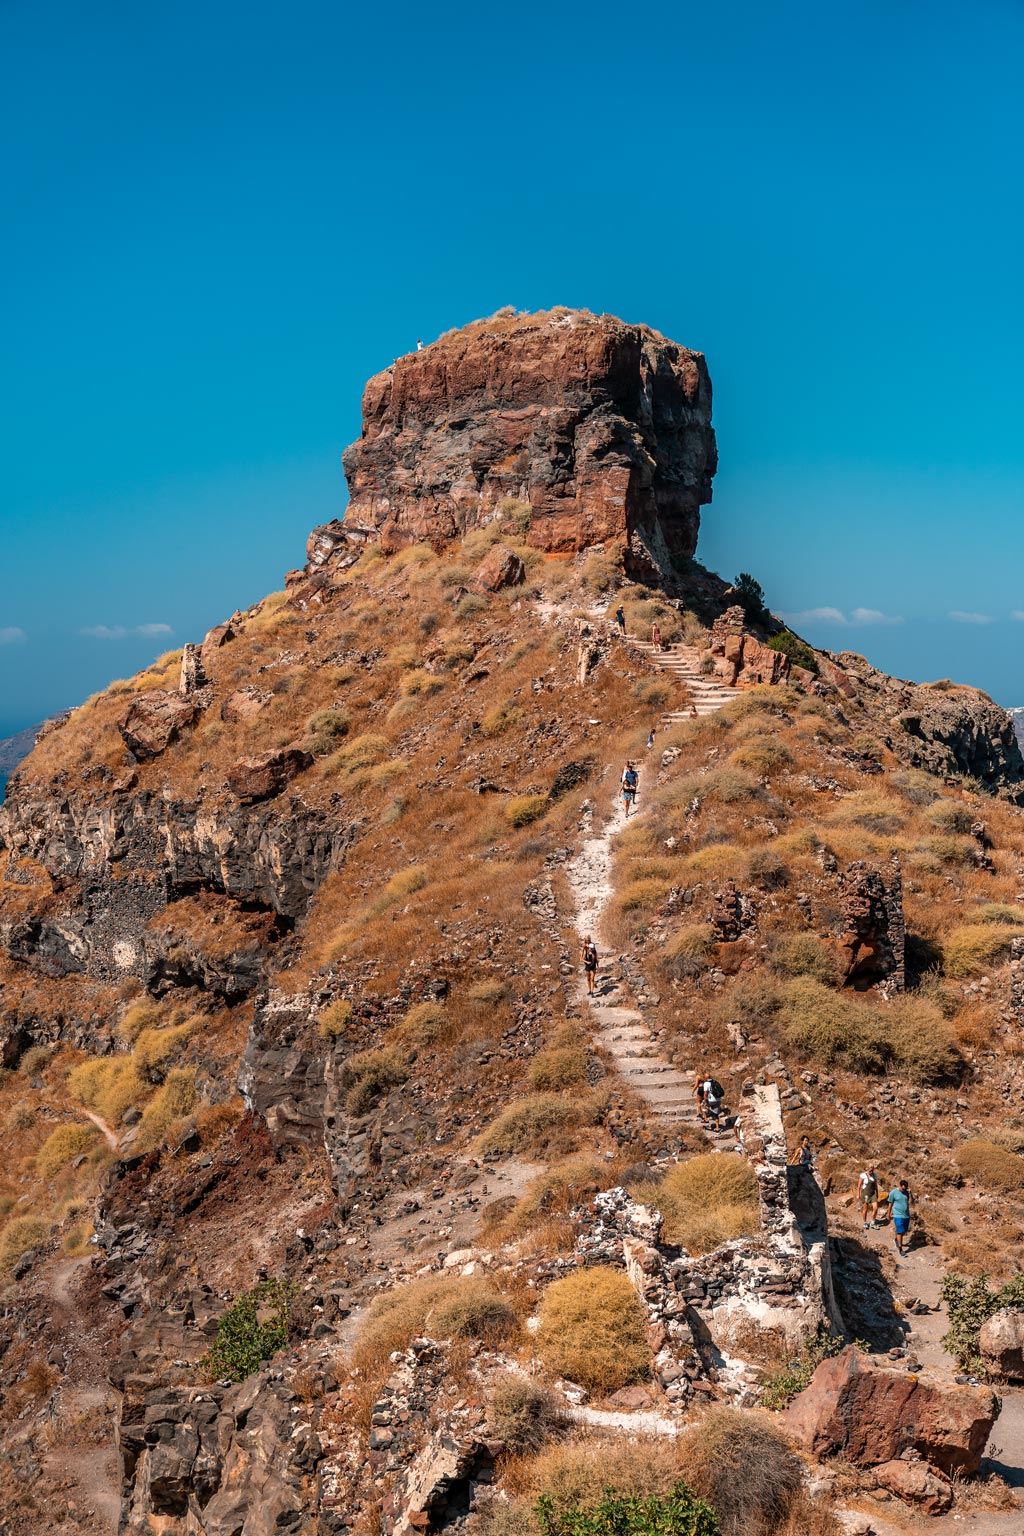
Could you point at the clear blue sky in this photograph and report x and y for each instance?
(219, 219)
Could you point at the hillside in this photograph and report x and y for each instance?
(309, 1127)
(13, 750)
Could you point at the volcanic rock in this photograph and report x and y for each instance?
(868, 1415)
(214, 640)
(603, 428)
(501, 567)
(260, 778)
(155, 719)
(873, 942)
(1001, 1343)
(917, 1483)
(244, 704)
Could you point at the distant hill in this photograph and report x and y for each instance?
(1017, 716)
(13, 749)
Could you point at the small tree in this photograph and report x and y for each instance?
(251, 1330)
(679, 1513)
(750, 596)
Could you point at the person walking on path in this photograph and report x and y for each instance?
(588, 959)
(650, 738)
(620, 618)
(803, 1157)
(709, 1094)
(655, 636)
(867, 1194)
(630, 783)
(899, 1210)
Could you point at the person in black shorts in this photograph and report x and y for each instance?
(588, 956)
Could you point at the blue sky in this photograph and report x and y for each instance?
(218, 220)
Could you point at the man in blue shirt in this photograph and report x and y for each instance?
(899, 1210)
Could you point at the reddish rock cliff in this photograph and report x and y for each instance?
(604, 428)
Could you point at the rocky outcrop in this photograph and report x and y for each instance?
(153, 720)
(741, 660)
(263, 777)
(501, 567)
(868, 1415)
(603, 428)
(1001, 1343)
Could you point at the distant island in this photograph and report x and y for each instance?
(13, 749)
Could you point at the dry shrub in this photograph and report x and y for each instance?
(556, 1192)
(642, 895)
(470, 605)
(991, 1165)
(951, 816)
(921, 1042)
(743, 1466)
(539, 1122)
(488, 991)
(601, 572)
(559, 1068)
(369, 1074)
(21, 1117)
(974, 947)
(723, 859)
(686, 951)
(66, 1142)
(144, 1014)
(908, 1035)
(109, 1085)
(641, 615)
(762, 754)
(767, 869)
(593, 1329)
(425, 1024)
(524, 1413)
(405, 883)
(420, 684)
(360, 753)
(728, 785)
(154, 1048)
(805, 954)
(500, 719)
(176, 1099)
(335, 1018)
(706, 1201)
(521, 810)
(18, 1236)
(999, 912)
(440, 1305)
(955, 851)
(32, 1061)
(325, 729)
(874, 812)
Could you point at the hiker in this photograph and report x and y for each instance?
(650, 738)
(867, 1194)
(588, 959)
(655, 637)
(419, 345)
(714, 1093)
(803, 1157)
(630, 782)
(693, 711)
(899, 1209)
(620, 618)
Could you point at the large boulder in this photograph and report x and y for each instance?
(260, 778)
(605, 428)
(153, 720)
(868, 1415)
(244, 704)
(500, 567)
(1001, 1343)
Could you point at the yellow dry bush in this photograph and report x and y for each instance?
(334, 1019)
(642, 895)
(144, 1014)
(805, 954)
(488, 991)
(537, 1122)
(559, 1068)
(368, 1075)
(109, 1085)
(361, 752)
(575, 1476)
(762, 754)
(155, 1047)
(500, 719)
(521, 810)
(425, 1024)
(66, 1142)
(421, 684)
(1000, 912)
(687, 949)
(743, 1466)
(405, 883)
(975, 947)
(955, 851)
(17, 1236)
(705, 1201)
(593, 1329)
(723, 859)
(173, 1101)
(872, 811)
(992, 1166)
(441, 1306)
(555, 1192)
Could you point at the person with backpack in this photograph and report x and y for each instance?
(867, 1195)
(588, 959)
(899, 1209)
(620, 618)
(630, 785)
(713, 1094)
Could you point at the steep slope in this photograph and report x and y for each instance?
(290, 1005)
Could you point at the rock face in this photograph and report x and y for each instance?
(916, 1483)
(604, 428)
(1001, 1343)
(153, 720)
(869, 1416)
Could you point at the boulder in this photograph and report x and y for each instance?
(917, 1483)
(855, 1409)
(153, 720)
(260, 778)
(213, 641)
(1001, 1343)
(500, 567)
(244, 704)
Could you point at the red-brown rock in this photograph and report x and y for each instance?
(604, 428)
(153, 720)
(917, 1483)
(244, 704)
(867, 1415)
(501, 567)
(1001, 1343)
(213, 641)
(260, 778)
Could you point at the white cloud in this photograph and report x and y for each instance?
(1018, 615)
(119, 632)
(960, 617)
(10, 634)
(837, 616)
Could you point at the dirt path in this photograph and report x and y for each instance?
(82, 1460)
(109, 1136)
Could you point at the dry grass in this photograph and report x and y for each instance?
(552, 1195)
(688, 948)
(368, 1075)
(558, 1068)
(705, 1201)
(973, 948)
(66, 1142)
(805, 954)
(909, 1035)
(335, 1019)
(593, 1330)
(543, 1122)
(169, 1105)
(521, 810)
(524, 1413)
(440, 1306)
(575, 1476)
(18, 1236)
(991, 1165)
(744, 1467)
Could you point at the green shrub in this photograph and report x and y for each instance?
(798, 651)
(969, 1305)
(593, 1329)
(750, 596)
(521, 810)
(781, 1386)
(252, 1330)
(678, 1513)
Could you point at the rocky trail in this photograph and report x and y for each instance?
(682, 662)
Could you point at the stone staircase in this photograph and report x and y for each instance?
(683, 662)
